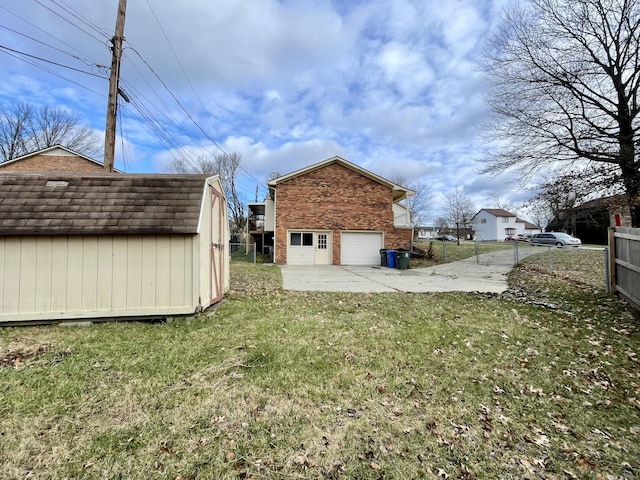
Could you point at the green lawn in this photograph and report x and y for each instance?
(543, 382)
(453, 252)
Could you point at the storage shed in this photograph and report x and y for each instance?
(104, 246)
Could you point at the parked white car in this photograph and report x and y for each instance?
(555, 238)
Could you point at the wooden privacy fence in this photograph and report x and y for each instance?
(624, 274)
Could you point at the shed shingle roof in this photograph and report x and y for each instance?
(99, 204)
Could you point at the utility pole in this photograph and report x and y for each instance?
(114, 80)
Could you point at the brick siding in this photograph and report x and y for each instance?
(52, 163)
(335, 198)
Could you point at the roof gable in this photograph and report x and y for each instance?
(53, 151)
(399, 191)
(99, 204)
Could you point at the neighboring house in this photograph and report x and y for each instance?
(492, 224)
(426, 232)
(52, 159)
(332, 212)
(102, 246)
(591, 220)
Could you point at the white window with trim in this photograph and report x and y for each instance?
(304, 239)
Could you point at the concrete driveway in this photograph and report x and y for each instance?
(489, 274)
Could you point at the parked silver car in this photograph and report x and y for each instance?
(555, 238)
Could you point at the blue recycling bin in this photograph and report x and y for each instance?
(391, 258)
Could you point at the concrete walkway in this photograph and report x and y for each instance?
(489, 274)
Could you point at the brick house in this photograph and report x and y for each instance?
(52, 159)
(332, 212)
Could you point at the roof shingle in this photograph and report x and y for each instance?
(99, 204)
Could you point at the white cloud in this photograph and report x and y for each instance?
(387, 84)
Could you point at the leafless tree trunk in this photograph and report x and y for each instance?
(565, 76)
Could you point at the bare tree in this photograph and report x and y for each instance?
(539, 211)
(14, 120)
(559, 197)
(225, 165)
(460, 211)
(565, 78)
(51, 126)
(25, 129)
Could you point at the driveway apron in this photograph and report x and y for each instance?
(487, 273)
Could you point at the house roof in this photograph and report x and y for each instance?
(399, 192)
(527, 225)
(496, 212)
(612, 201)
(99, 204)
(55, 150)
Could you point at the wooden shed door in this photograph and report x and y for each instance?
(216, 262)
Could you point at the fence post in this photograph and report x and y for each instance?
(550, 261)
(611, 279)
(444, 249)
(477, 252)
(607, 285)
(515, 252)
(254, 252)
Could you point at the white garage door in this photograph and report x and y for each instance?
(360, 248)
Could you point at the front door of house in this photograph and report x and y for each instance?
(323, 249)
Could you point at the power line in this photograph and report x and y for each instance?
(80, 17)
(71, 23)
(85, 61)
(41, 29)
(3, 47)
(124, 153)
(176, 57)
(189, 114)
(51, 72)
(204, 109)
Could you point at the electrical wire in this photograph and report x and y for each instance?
(3, 47)
(122, 145)
(52, 73)
(189, 114)
(204, 109)
(70, 10)
(85, 61)
(101, 40)
(41, 30)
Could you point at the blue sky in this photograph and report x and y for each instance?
(391, 85)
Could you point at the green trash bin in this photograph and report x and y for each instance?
(402, 259)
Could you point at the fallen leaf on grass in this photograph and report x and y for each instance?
(584, 464)
(524, 462)
(542, 441)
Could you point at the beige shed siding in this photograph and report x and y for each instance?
(62, 277)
